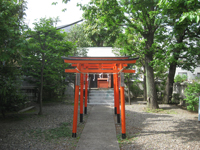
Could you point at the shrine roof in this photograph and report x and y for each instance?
(76, 57)
(73, 59)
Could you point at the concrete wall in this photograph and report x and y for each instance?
(191, 75)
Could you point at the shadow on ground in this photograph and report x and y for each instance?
(155, 130)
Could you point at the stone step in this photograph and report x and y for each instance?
(101, 97)
(108, 100)
(110, 104)
(101, 94)
(101, 101)
(101, 91)
(98, 100)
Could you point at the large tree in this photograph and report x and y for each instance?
(11, 40)
(97, 34)
(76, 35)
(11, 27)
(191, 8)
(42, 56)
(140, 15)
(180, 50)
(129, 43)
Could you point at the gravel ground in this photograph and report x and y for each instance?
(172, 128)
(21, 131)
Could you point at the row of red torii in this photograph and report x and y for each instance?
(87, 65)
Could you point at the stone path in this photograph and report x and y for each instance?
(99, 132)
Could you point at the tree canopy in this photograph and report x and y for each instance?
(142, 17)
(11, 41)
(157, 31)
(42, 57)
(11, 27)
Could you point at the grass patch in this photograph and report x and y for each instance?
(171, 112)
(33, 110)
(129, 139)
(161, 111)
(62, 131)
(13, 117)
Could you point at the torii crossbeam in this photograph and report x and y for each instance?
(86, 65)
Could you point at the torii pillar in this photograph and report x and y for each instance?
(76, 97)
(86, 93)
(123, 115)
(116, 96)
(81, 98)
(86, 65)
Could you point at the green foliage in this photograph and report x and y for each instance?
(98, 35)
(11, 40)
(129, 139)
(10, 97)
(180, 78)
(136, 18)
(76, 35)
(135, 89)
(153, 32)
(43, 51)
(95, 30)
(192, 93)
(176, 98)
(11, 26)
(159, 89)
(180, 38)
(49, 134)
(153, 110)
(192, 12)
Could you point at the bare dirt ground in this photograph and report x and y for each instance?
(168, 128)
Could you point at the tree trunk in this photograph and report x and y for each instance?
(150, 84)
(172, 70)
(41, 84)
(169, 83)
(145, 87)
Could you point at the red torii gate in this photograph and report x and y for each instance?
(85, 65)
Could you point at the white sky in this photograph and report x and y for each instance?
(100, 52)
(43, 8)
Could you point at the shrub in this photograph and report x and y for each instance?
(10, 97)
(135, 89)
(180, 78)
(192, 93)
(175, 98)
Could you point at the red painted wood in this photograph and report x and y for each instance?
(123, 116)
(100, 65)
(97, 71)
(86, 90)
(101, 61)
(81, 94)
(117, 94)
(126, 57)
(102, 83)
(75, 117)
(114, 87)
